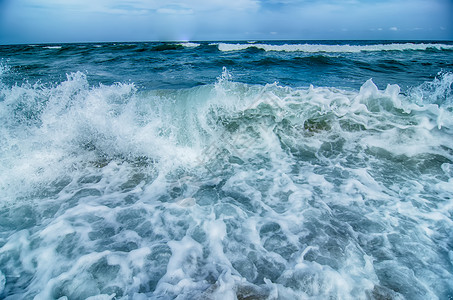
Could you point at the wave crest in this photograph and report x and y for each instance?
(310, 48)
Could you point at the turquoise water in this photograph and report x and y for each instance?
(227, 170)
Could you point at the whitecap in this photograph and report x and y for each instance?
(189, 44)
(52, 47)
(320, 48)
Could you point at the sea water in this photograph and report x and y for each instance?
(227, 170)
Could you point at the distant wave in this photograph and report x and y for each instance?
(174, 46)
(333, 48)
(189, 44)
(52, 47)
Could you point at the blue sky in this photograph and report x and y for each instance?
(56, 21)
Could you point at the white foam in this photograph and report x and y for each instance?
(2, 282)
(225, 190)
(319, 48)
(177, 279)
(189, 44)
(52, 47)
(4, 68)
(439, 91)
(102, 297)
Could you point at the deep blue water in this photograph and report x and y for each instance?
(185, 65)
(227, 170)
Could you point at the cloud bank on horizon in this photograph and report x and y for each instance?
(44, 21)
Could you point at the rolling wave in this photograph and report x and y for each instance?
(312, 48)
(228, 188)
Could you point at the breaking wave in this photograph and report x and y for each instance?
(313, 48)
(226, 190)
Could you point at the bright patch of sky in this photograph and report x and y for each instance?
(43, 21)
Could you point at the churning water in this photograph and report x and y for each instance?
(267, 170)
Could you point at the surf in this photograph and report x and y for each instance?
(323, 48)
(227, 188)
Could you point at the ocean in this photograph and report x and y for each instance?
(227, 170)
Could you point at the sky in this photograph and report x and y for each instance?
(60, 21)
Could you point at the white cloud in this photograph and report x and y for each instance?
(176, 9)
(50, 20)
(128, 6)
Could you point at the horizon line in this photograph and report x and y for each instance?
(226, 40)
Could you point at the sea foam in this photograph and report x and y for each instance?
(225, 190)
(312, 48)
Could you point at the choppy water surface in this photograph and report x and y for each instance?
(224, 170)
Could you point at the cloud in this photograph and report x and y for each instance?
(107, 20)
(125, 6)
(175, 9)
